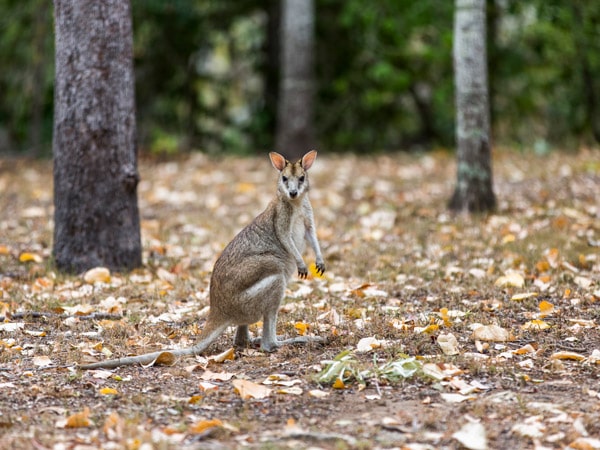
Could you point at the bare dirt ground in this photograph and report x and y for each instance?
(500, 313)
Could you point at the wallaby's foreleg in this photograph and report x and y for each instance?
(311, 236)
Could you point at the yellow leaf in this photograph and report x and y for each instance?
(203, 425)
(535, 325)
(108, 391)
(428, 329)
(339, 384)
(227, 355)
(30, 257)
(164, 359)
(445, 317)
(546, 308)
(542, 266)
(195, 399)
(523, 296)
(524, 350)
(79, 420)
(584, 443)
(301, 328)
(97, 274)
(508, 238)
(312, 268)
(567, 355)
(4, 250)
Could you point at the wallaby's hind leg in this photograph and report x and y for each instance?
(271, 342)
(242, 337)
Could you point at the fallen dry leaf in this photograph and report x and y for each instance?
(317, 393)
(108, 391)
(97, 274)
(77, 420)
(30, 257)
(448, 344)
(535, 325)
(493, 333)
(368, 344)
(227, 355)
(42, 361)
(164, 359)
(216, 376)
(523, 296)
(456, 398)
(568, 355)
(510, 279)
(204, 425)
(249, 390)
(472, 435)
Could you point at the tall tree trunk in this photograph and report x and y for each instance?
(587, 73)
(474, 191)
(96, 215)
(295, 128)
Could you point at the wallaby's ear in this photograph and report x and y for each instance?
(309, 159)
(277, 160)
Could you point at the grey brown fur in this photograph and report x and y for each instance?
(249, 278)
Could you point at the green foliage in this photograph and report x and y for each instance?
(206, 74)
(385, 74)
(26, 78)
(346, 368)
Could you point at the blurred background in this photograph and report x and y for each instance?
(207, 75)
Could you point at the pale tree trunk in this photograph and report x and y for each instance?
(295, 128)
(474, 191)
(96, 215)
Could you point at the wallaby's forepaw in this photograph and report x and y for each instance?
(320, 268)
(302, 272)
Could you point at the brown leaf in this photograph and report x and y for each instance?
(249, 390)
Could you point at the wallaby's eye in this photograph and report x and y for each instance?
(301, 179)
(284, 179)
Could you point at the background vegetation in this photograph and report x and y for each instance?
(207, 74)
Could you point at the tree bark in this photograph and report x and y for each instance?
(295, 128)
(474, 191)
(96, 214)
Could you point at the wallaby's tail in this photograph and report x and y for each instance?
(209, 333)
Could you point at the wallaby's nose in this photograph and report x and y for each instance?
(293, 193)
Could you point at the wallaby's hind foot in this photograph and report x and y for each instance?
(280, 342)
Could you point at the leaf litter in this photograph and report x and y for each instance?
(441, 330)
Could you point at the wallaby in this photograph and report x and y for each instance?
(249, 279)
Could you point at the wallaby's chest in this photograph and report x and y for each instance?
(298, 231)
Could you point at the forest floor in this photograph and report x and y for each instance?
(449, 331)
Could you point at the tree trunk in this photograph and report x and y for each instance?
(474, 192)
(96, 215)
(295, 129)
